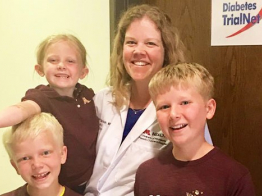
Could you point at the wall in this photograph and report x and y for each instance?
(23, 25)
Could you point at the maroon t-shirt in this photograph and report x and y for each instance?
(214, 174)
(78, 117)
(21, 191)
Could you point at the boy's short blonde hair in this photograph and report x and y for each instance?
(182, 74)
(31, 128)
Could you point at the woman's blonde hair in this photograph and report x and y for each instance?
(31, 128)
(185, 74)
(119, 79)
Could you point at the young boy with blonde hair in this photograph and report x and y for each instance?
(182, 95)
(36, 150)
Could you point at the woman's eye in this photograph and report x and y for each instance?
(130, 42)
(151, 43)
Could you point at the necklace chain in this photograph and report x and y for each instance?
(137, 110)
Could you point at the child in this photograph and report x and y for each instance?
(62, 60)
(190, 166)
(36, 150)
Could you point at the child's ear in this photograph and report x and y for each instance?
(63, 154)
(14, 166)
(85, 71)
(211, 108)
(39, 70)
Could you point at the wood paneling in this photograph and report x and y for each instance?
(237, 126)
(117, 7)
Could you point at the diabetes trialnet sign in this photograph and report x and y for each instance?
(236, 22)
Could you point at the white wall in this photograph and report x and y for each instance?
(23, 25)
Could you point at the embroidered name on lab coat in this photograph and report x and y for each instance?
(156, 137)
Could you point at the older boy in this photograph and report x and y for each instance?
(190, 166)
(36, 150)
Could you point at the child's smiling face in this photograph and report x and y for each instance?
(38, 160)
(182, 114)
(62, 67)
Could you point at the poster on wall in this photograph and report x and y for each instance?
(236, 22)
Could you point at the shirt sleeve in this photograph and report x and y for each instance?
(39, 97)
(244, 186)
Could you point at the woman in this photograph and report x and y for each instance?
(129, 133)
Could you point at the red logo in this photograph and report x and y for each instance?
(249, 25)
(147, 132)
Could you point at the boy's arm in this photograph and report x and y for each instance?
(17, 113)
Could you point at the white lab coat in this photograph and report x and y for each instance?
(116, 165)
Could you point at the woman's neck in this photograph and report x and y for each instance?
(140, 97)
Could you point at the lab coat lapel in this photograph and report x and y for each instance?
(146, 120)
(116, 135)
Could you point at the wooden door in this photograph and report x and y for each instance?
(237, 126)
